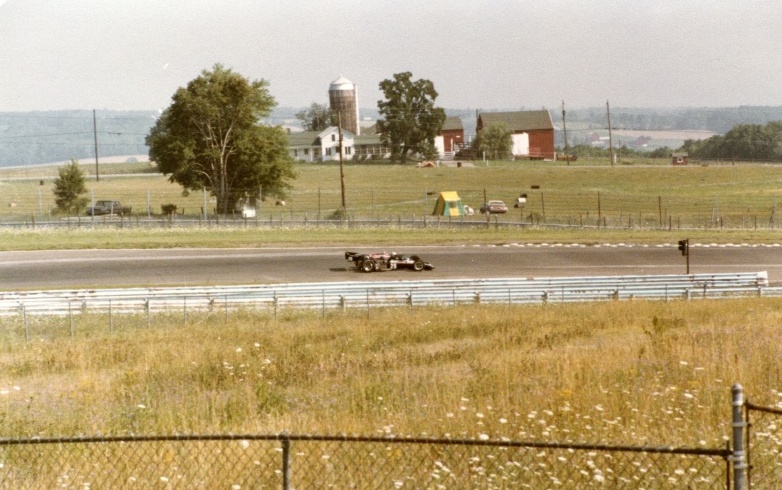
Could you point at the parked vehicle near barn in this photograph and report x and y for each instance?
(494, 207)
(381, 261)
(108, 207)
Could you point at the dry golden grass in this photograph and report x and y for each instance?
(617, 372)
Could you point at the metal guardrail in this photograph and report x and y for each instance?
(331, 295)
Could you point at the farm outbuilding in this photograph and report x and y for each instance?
(449, 204)
(451, 137)
(532, 132)
(679, 158)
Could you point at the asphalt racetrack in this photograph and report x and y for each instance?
(68, 269)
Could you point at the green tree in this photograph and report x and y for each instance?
(495, 141)
(410, 119)
(742, 142)
(210, 137)
(316, 117)
(68, 189)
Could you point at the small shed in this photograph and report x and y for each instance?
(448, 204)
(679, 158)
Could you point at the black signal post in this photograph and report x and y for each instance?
(684, 248)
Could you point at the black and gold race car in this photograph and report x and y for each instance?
(381, 261)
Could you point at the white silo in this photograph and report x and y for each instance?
(343, 100)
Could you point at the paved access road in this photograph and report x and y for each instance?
(165, 267)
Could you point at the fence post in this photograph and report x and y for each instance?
(738, 457)
(286, 466)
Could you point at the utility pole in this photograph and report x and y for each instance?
(95, 136)
(564, 131)
(341, 167)
(610, 141)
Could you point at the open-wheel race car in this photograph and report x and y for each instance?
(381, 261)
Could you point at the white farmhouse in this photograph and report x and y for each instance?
(314, 146)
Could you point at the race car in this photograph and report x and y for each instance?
(380, 261)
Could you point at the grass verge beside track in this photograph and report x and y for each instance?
(48, 239)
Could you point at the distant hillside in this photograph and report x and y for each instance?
(717, 120)
(28, 138)
(39, 137)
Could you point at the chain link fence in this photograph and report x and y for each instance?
(752, 459)
(763, 446)
(291, 461)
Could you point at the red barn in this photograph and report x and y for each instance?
(532, 132)
(679, 158)
(452, 133)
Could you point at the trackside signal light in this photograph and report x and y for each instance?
(684, 247)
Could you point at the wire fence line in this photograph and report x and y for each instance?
(413, 207)
(321, 461)
(750, 459)
(763, 432)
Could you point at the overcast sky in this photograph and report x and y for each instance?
(501, 54)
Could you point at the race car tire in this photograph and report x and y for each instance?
(368, 266)
(418, 266)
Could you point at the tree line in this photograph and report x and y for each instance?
(753, 142)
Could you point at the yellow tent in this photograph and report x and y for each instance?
(448, 204)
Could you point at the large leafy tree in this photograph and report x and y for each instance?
(495, 141)
(410, 119)
(211, 137)
(68, 189)
(316, 117)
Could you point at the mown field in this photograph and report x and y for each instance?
(592, 203)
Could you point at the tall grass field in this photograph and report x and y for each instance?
(634, 372)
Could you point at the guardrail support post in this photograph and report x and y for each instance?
(275, 307)
(738, 457)
(147, 307)
(26, 325)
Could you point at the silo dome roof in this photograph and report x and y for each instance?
(341, 83)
